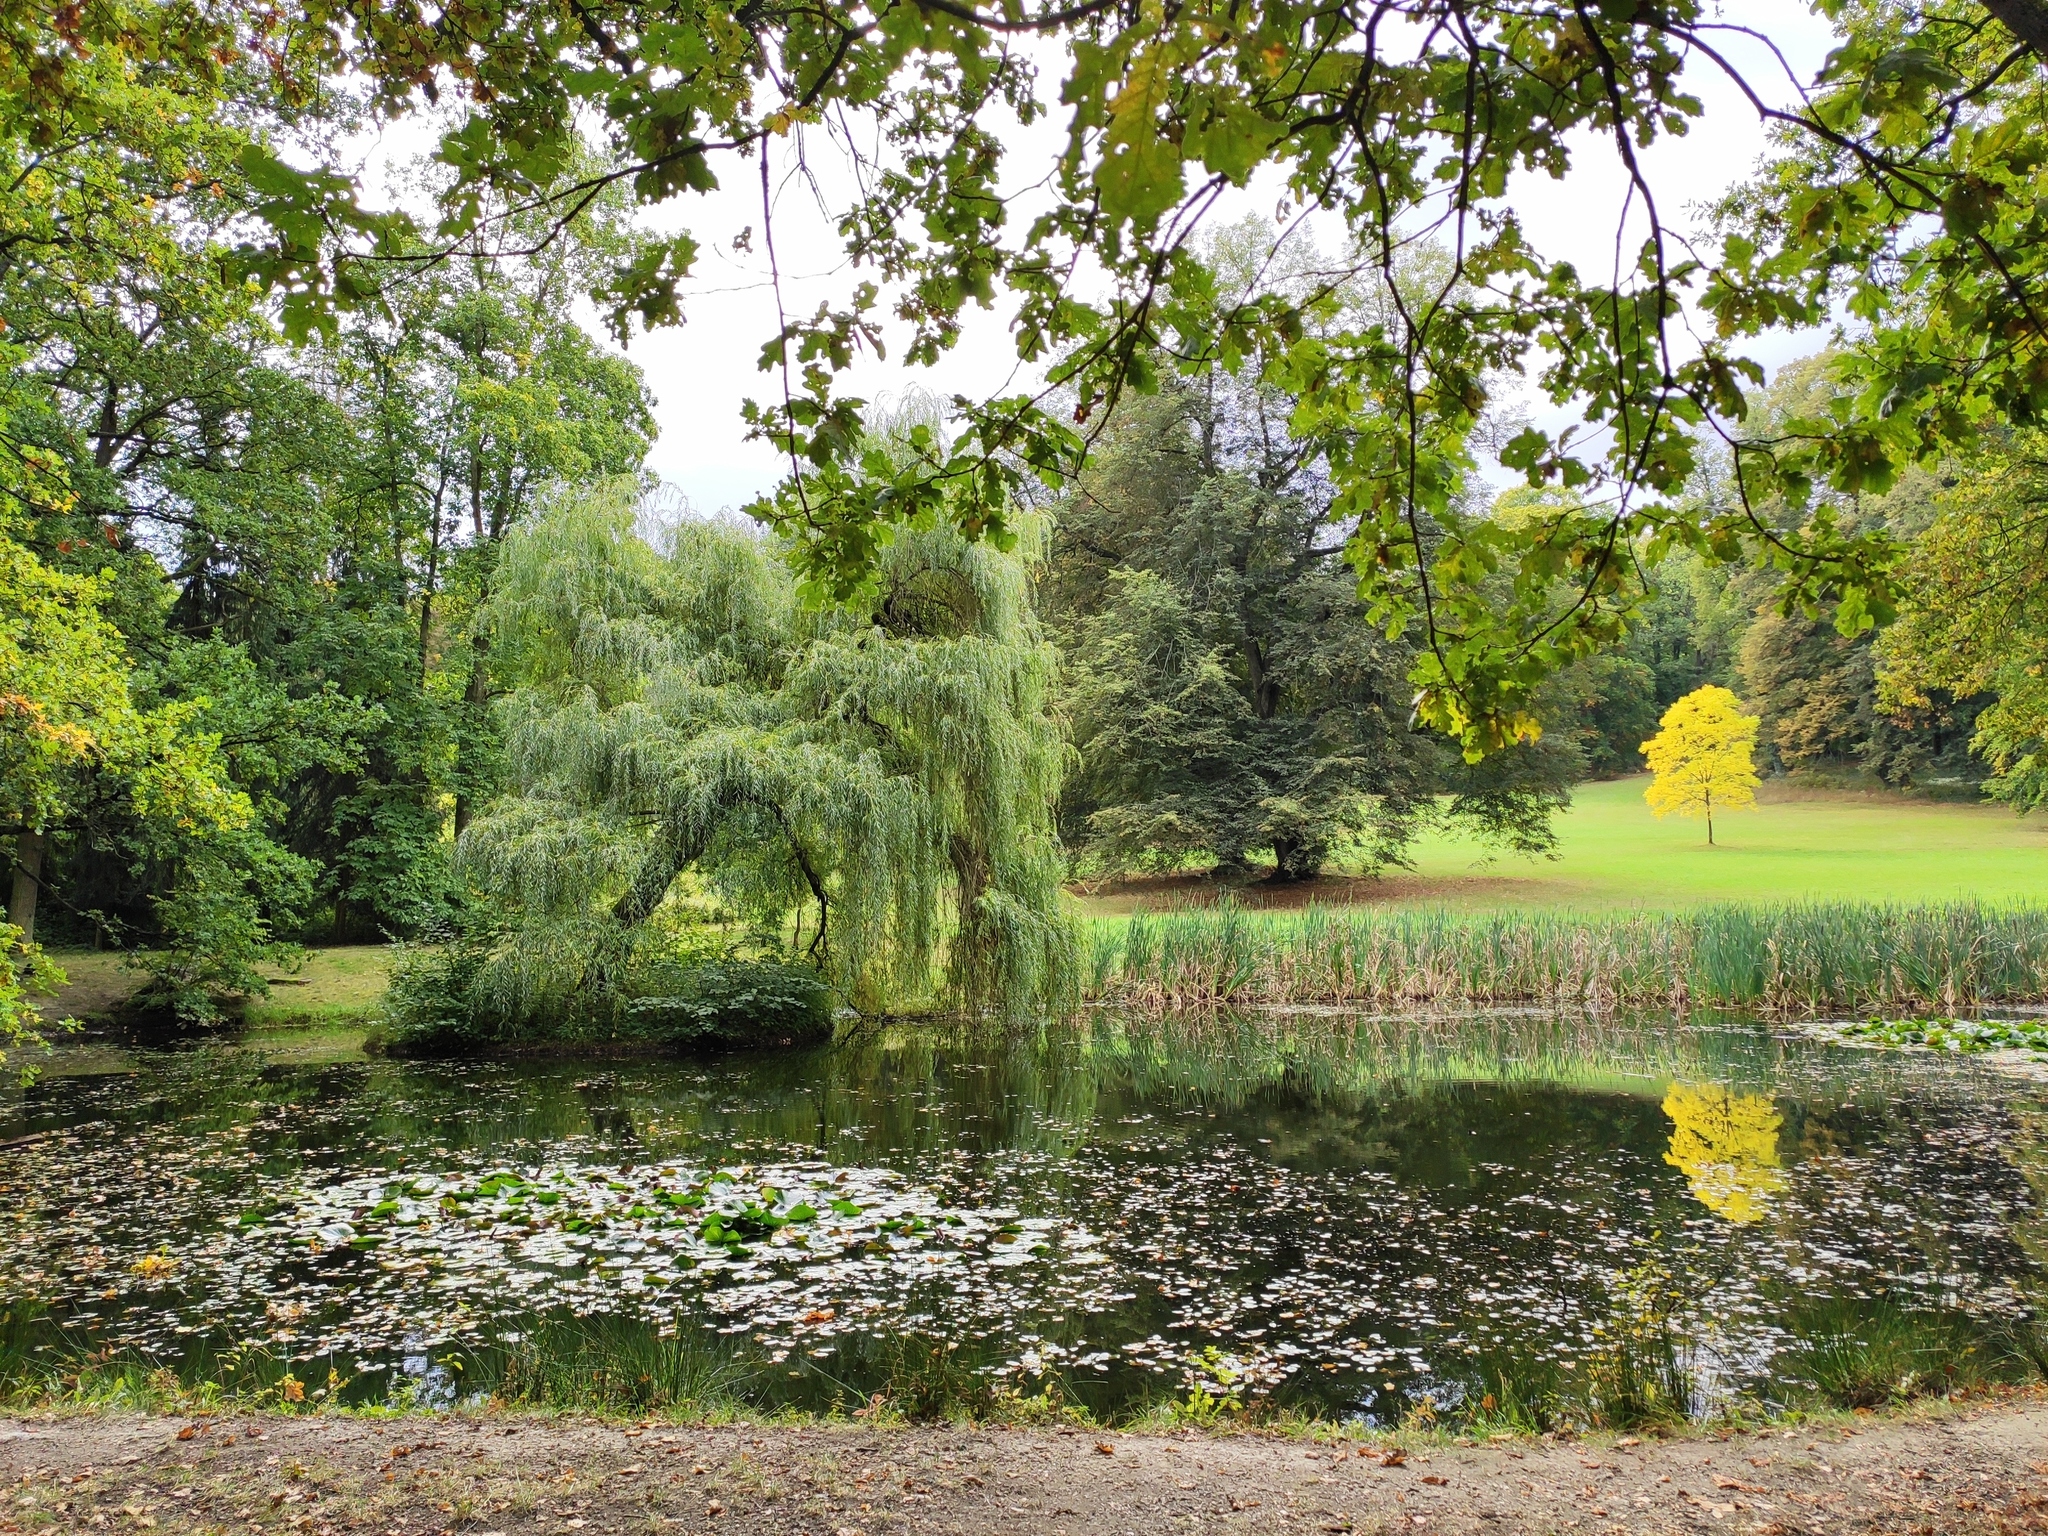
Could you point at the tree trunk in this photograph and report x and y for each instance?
(28, 884)
(473, 699)
(427, 595)
(973, 945)
(1296, 859)
(2027, 20)
(657, 872)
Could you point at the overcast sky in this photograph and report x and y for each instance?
(701, 372)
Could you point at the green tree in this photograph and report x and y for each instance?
(326, 518)
(1228, 690)
(1812, 685)
(1975, 625)
(870, 791)
(71, 733)
(1901, 184)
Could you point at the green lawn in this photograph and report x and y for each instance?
(339, 985)
(1813, 843)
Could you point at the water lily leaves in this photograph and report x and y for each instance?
(1173, 1248)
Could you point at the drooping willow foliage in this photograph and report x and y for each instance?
(875, 787)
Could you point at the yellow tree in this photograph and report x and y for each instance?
(1701, 757)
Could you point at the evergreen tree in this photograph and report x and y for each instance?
(1227, 689)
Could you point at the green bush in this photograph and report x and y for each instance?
(441, 1003)
(732, 1003)
(434, 1005)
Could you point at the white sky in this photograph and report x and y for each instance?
(701, 372)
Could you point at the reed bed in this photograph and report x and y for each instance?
(1807, 957)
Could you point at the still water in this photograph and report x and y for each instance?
(1348, 1215)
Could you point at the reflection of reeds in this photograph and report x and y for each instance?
(1793, 958)
(1228, 1057)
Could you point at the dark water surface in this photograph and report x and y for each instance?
(1350, 1215)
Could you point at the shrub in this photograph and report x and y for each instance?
(441, 1003)
(732, 1003)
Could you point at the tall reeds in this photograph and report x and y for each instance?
(1802, 957)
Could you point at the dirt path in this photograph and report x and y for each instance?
(1982, 1469)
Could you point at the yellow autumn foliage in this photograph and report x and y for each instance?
(1726, 1145)
(1701, 757)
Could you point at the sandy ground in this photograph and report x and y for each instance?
(1980, 1468)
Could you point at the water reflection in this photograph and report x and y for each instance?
(1726, 1143)
(1347, 1213)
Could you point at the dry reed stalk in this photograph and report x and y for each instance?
(1787, 959)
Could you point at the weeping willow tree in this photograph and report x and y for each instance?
(872, 786)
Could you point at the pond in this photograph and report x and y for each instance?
(1364, 1218)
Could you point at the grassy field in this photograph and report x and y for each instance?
(334, 986)
(1613, 854)
(1816, 844)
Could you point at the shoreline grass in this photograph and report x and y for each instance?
(1800, 957)
(1805, 957)
(1844, 1358)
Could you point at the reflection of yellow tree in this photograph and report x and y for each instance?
(1726, 1144)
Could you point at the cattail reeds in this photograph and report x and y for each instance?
(1794, 958)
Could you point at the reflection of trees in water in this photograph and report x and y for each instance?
(1359, 1187)
(611, 1115)
(1726, 1145)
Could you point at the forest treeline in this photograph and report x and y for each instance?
(388, 633)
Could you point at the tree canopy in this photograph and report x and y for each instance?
(274, 464)
(1901, 188)
(1700, 759)
(1226, 689)
(872, 791)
